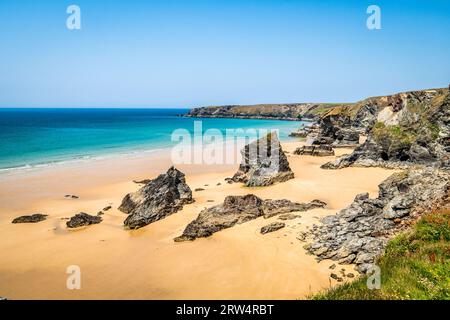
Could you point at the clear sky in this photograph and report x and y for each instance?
(190, 53)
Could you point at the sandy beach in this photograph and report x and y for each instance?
(236, 263)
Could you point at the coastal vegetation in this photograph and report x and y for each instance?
(415, 265)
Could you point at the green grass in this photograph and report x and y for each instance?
(415, 265)
(398, 136)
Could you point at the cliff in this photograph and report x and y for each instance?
(362, 114)
(293, 112)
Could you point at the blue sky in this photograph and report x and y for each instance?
(191, 53)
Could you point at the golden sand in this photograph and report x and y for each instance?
(236, 263)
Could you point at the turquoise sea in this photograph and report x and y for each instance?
(33, 137)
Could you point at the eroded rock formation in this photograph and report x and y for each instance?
(322, 150)
(263, 163)
(359, 233)
(36, 217)
(275, 226)
(239, 209)
(82, 219)
(160, 197)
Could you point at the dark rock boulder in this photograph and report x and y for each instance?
(272, 227)
(82, 219)
(263, 163)
(36, 217)
(275, 207)
(315, 150)
(301, 133)
(359, 233)
(239, 209)
(160, 197)
(346, 137)
(288, 216)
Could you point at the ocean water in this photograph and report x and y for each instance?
(35, 137)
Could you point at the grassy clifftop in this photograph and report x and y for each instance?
(294, 111)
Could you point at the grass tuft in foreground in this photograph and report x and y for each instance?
(416, 265)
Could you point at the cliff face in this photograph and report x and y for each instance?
(292, 112)
(361, 115)
(402, 129)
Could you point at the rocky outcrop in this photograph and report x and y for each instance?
(315, 150)
(305, 130)
(334, 128)
(301, 133)
(82, 219)
(293, 112)
(272, 208)
(359, 233)
(288, 216)
(34, 218)
(346, 137)
(409, 129)
(394, 150)
(239, 209)
(263, 163)
(160, 197)
(272, 227)
(366, 116)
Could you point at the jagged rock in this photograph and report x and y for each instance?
(263, 163)
(302, 133)
(315, 150)
(359, 233)
(388, 154)
(82, 219)
(404, 137)
(236, 210)
(346, 137)
(366, 116)
(145, 181)
(160, 197)
(272, 227)
(336, 277)
(275, 207)
(288, 216)
(36, 217)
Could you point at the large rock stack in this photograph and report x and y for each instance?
(263, 163)
(163, 196)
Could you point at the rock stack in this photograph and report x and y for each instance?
(263, 163)
(160, 197)
(239, 209)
